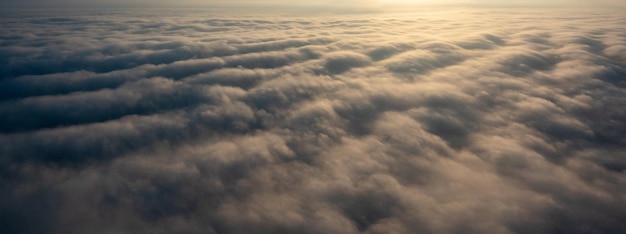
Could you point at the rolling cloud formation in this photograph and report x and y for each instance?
(472, 121)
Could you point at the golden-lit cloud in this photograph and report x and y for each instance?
(358, 4)
(275, 120)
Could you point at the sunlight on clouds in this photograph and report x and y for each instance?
(265, 120)
(264, 5)
(410, 1)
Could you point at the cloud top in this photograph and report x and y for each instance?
(192, 121)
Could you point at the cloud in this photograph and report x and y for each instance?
(480, 120)
(284, 4)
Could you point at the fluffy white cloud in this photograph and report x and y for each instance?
(479, 121)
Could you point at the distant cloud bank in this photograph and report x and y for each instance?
(473, 121)
(325, 4)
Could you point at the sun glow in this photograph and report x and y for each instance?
(409, 1)
(415, 2)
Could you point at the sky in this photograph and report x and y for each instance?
(301, 3)
(214, 120)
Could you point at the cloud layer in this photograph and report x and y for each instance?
(284, 4)
(473, 121)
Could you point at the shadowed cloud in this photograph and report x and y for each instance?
(201, 121)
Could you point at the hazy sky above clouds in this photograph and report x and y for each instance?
(290, 3)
